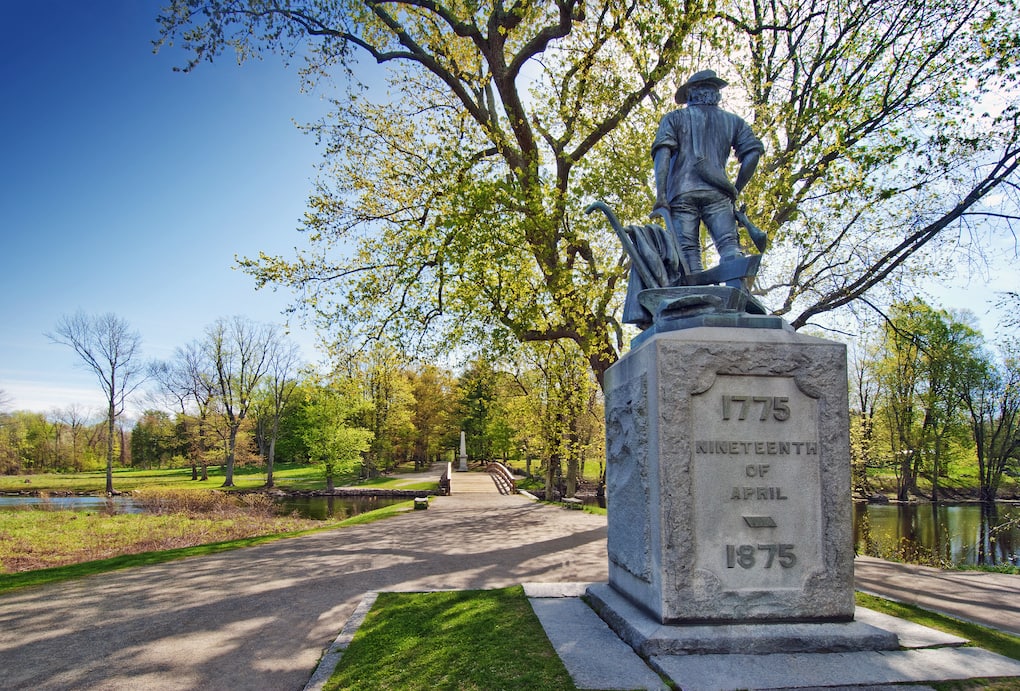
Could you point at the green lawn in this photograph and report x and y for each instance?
(292, 476)
(286, 476)
(492, 640)
(124, 560)
(980, 636)
(484, 639)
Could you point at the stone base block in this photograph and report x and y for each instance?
(650, 638)
(728, 478)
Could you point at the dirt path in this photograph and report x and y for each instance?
(259, 618)
(990, 599)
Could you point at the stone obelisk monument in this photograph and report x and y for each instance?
(463, 453)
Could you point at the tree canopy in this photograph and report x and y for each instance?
(450, 204)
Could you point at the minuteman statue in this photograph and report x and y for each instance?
(690, 151)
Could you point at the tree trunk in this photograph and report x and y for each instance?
(551, 468)
(228, 468)
(111, 416)
(269, 461)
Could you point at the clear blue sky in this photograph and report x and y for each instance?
(129, 188)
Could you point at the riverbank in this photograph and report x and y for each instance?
(41, 538)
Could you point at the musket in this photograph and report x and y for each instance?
(757, 235)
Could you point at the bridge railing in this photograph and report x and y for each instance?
(503, 477)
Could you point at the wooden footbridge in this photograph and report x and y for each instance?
(497, 478)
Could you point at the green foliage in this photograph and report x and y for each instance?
(386, 384)
(487, 639)
(154, 440)
(35, 443)
(991, 396)
(478, 410)
(329, 435)
(433, 391)
(921, 369)
(450, 206)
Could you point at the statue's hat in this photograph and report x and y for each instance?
(702, 77)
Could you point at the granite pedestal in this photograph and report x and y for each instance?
(728, 482)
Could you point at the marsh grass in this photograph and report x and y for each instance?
(39, 539)
(196, 546)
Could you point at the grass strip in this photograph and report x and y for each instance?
(981, 636)
(480, 639)
(25, 579)
(493, 640)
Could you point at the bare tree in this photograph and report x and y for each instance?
(238, 350)
(280, 384)
(110, 348)
(189, 381)
(75, 418)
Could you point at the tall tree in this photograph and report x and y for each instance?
(385, 385)
(75, 418)
(189, 381)
(992, 400)
(238, 351)
(280, 383)
(330, 431)
(925, 356)
(460, 182)
(892, 136)
(154, 439)
(459, 190)
(863, 397)
(109, 348)
(433, 392)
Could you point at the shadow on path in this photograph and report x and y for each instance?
(258, 618)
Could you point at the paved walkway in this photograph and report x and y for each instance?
(990, 599)
(259, 618)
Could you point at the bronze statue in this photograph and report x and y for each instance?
(690, 151)
(691, 148)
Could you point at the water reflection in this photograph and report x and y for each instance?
(111, 505)
(332, 507)
(318, 508)
(939, 534)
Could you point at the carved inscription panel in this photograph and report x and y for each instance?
(756, 482)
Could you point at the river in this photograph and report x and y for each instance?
(939, 534)
(318, 508)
